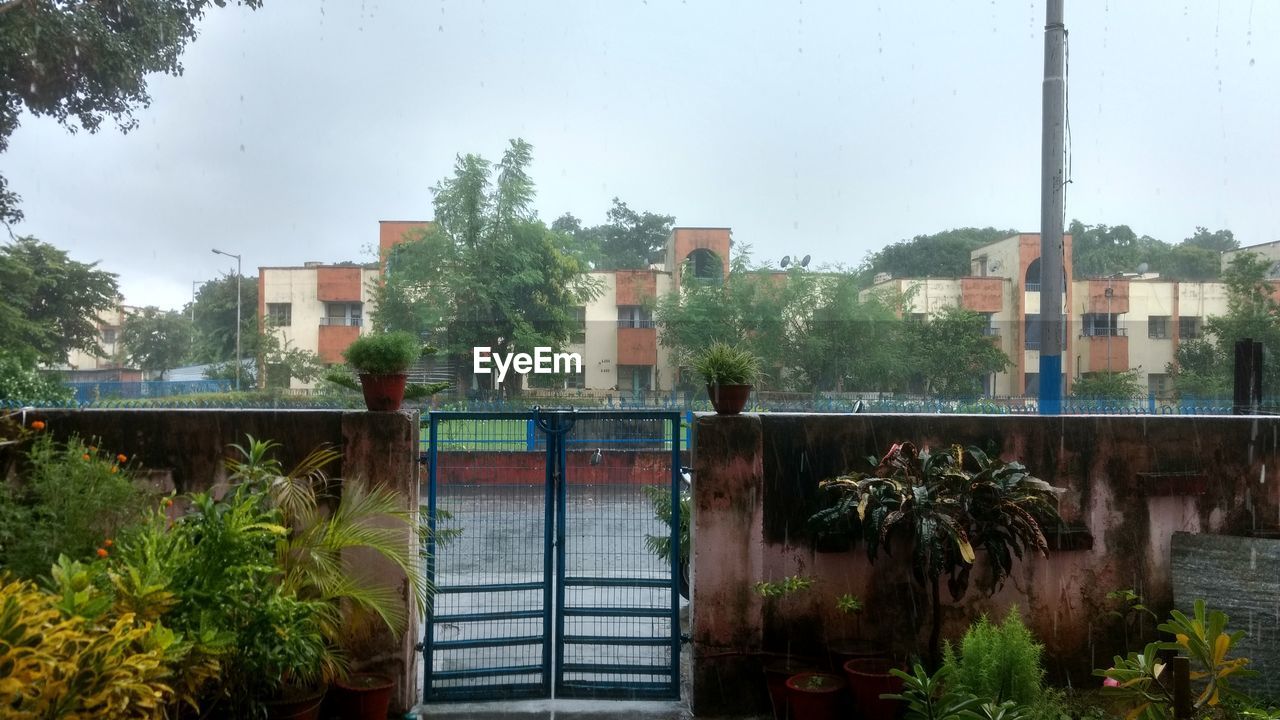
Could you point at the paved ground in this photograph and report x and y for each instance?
(502, 541)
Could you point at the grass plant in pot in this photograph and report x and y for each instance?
(729, 372)
(381, 360)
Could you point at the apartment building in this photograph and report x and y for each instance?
(322, 308)
(110, 365)
(1131, 321)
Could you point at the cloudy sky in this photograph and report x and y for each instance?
(828, 128)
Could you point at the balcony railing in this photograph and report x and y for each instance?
(991, 332)
(1033, 287)
(1105, 332)
(350, 322)
(636, 324)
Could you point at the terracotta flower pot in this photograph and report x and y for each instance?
(383, 393)
(815, 695)
(869, 678)
(776, 674)
(296, 704)
(362, 696)
(728, 399)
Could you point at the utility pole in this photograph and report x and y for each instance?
(1051, 210)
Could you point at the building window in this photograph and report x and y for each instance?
(1032, 334)
(579, 336)
(280, 314)
(1189, 327)
(1100, 324)
(343, 314)
(990, 329)
(634, 316)
(1158, 327)
(109, 335)
(1158, 384)
(918, 318)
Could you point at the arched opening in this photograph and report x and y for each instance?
(1033, 276)
(704, 265)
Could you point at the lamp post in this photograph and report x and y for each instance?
(238, 276)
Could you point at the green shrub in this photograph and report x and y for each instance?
(724, 364)
(70, 499)
(998, 663)
(383, 353)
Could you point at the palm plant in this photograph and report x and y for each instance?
(945, 505)
(310, 555)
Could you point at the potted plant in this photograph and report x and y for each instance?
(729, 372)
(942, 505)
(778, 671)
(815, 695)
(852, 646)
(362, 696)
(381, 359)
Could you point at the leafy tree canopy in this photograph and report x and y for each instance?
(943, 254)
(50, 302)
(949, 355)
(156, 340)
(215, 319)
(1117, 386)
(83, 62)
(488, 273)
(1101, 250)
(630, 240)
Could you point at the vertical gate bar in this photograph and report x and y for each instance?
(428, 636)
(676, 552)
(548, 518)
(557, 438)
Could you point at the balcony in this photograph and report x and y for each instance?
(991, 332)
(342, 321)
(1105, 332)
(1033, 287)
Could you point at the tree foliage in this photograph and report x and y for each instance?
(630, 240)
(50, 302)
(82, 63)
(215, 319)
(943, 254)
(156, 340)
(22, 382)
(488, 273)
(1122, 385)
(1203, 367)
(949, 355)
(1101, 250)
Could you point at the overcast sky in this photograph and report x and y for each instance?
(828, 128)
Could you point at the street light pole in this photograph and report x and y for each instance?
(238, 276)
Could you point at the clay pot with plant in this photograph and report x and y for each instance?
(778, 670)
(851, 644)
(815, 695)
(381, 361)
(942, 506)
(729, 372)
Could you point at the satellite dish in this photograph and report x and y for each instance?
(995, 265)
(786, 260)
(805, 262)
(1142, 268)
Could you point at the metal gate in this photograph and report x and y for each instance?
(542, 551)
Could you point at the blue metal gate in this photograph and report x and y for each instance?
(542, 554)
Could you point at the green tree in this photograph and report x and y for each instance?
(1252, 312)
(488, 273)
(943, 254)
(215, 319)
(949, 354)
(156, 340)
(1199, 369)
(1218, 241)
(1101, 250)
(283, 361)
(630, 240)
(82, 63)
(50, 302)
(1122, 385)
(22, 382)
(810, 329)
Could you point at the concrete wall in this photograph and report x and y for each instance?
(189, 447)
(1132, 482)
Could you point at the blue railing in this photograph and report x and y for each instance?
(88, 392)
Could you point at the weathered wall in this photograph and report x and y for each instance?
(1131, 481)
(189, 447)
